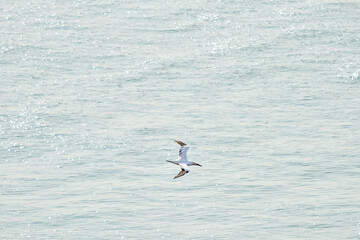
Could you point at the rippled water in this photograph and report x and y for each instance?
(267, 93)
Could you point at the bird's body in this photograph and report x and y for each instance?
(183, 161)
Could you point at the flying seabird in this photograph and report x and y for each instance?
(183, 161)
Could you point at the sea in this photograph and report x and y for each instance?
(266, 93)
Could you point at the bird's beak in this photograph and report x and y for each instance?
(199, 165)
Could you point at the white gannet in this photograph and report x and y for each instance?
(183, 161)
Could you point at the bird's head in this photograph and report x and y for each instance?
(196, 164)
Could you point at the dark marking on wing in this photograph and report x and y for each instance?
(180, 143)
(181, 173)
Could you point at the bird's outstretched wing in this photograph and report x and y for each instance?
(184, 170)
(183, 149)
(180, 143)
(181, 173)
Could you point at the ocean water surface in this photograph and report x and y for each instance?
(266, 93)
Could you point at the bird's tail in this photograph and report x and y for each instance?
(172, 162)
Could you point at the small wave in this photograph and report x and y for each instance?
(355, 75)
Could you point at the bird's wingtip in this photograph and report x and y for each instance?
(179, 142)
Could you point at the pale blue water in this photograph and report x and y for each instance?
(267, 93)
